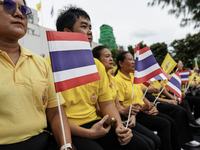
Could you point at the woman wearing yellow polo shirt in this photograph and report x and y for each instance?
(104, 55)
(148, 115)
(27, 92)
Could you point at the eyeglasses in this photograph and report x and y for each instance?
(10, 7)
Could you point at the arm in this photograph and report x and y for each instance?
(170, 101)
(167, 94)
(54, 120)
(96, 131)
(124, 110)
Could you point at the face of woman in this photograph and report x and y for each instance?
(106, 59)
(12, 26)
(180, 65)
(128, 65)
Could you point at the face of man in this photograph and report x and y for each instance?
(12, 26)
(83, 25)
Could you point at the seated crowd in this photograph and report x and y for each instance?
(30, 118)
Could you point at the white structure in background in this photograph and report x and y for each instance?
(35, 38)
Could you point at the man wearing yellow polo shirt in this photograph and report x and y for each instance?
(86, 127)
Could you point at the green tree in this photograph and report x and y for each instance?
(131, 50)
(190, 9)
(114, 52)
(142, 45)
(187, 49)
(159, 51)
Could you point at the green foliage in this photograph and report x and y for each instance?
(187, 49)
(190, 9)
(131, 50)
(159, 51)
(114, 52)
(142, 45)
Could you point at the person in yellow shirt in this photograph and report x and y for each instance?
(148, 115)
(27, 96)
(103, 54)
(86, 127)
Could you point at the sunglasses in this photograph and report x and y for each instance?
(10, 7)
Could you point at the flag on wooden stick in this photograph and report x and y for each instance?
(71, 59)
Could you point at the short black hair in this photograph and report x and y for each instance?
(120, 57)
(97, 51)
(68, 16)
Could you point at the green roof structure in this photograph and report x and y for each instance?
(107, 37)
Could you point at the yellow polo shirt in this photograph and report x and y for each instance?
(80, 101)
(27, 89)
(113, 87)
(125, 86)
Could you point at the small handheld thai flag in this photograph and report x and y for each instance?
(174, 84)
(184, 76)
(146, 66)
(161, 76)
(71, 59)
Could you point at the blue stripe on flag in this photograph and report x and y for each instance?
(64, 60)
(158, 77)
(145, 63)
(175, 82)
(184, 76)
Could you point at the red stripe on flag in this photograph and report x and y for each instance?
(72, 83)
(147, 77)
(171, 89)
(66, 36)
(145, 49)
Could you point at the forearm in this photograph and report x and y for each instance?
(54, 120)
(167, 94)
(80, 131)
(163, 100)
(109, 108)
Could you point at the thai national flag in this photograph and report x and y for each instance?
(71, 59)
(174, 84)
(161, 76)
(146, 66)
(184, 76)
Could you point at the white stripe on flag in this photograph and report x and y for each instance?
(184, 79)
(177, 78)
(146, 71)
(74, 73)
(68, 45)
(174, 87)
(184, 73)
(144, 55)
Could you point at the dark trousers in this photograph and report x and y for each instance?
(108, 142)
(162, 124)
(194, 102)
(151, 139)
(178, 114)
(42, 141)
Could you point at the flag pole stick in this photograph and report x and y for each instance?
(188, 86)
(61, 121)
(159, 94)
(129, 114)
(185, 85)
(160, 84)
(140, 102)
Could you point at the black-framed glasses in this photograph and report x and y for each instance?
(10, 7)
